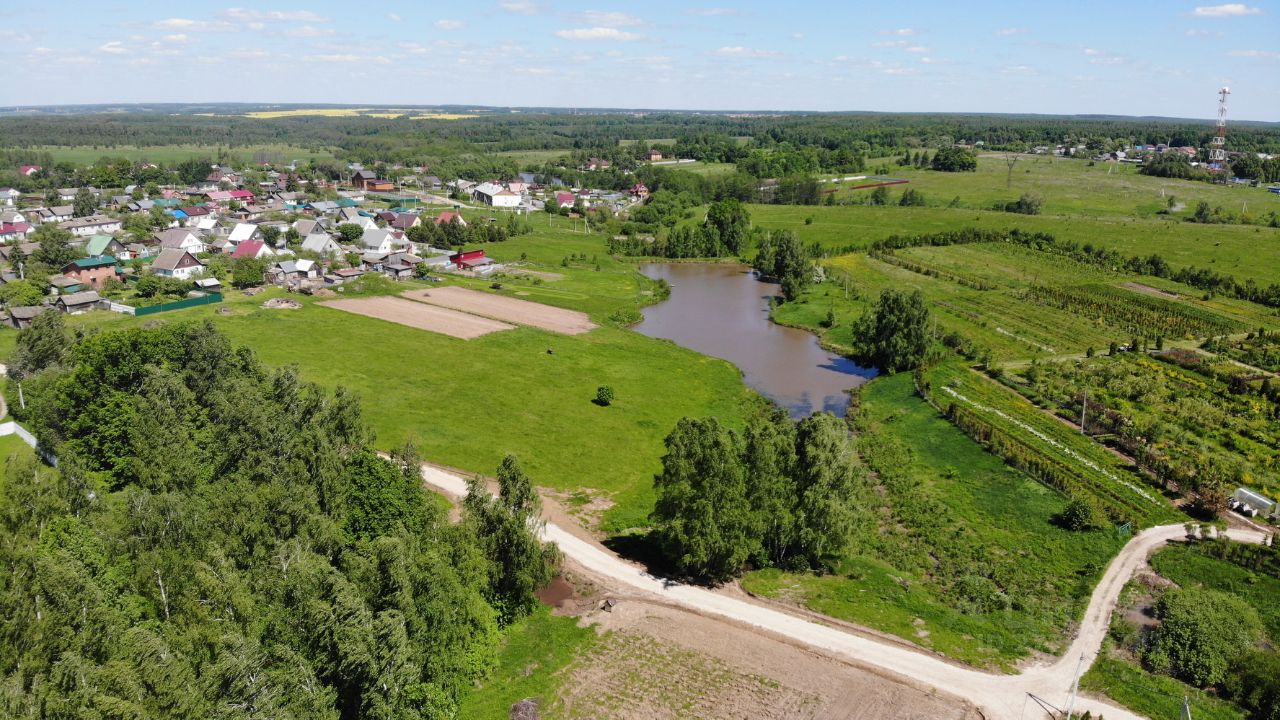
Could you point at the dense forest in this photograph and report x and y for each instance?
(219, 539)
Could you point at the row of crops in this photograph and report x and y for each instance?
(1009, 426)
(1132, 312)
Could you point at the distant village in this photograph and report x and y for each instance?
(141, 248)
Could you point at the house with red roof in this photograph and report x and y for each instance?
(251, 249)
(29, 170)
(565, 199)
(14, 232)
(448, 216)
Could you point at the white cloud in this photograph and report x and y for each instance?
(310, 31)
(177, 39)
(917, 49)
(1203, 33)
(520, 7)
(934, 61)
(415, 49)
(1006, 32)
(714, 12)
(745, 52)
(1102, 57)
(597, 33)
(1018, 70)
(797, 36)
(1228, 10)
(901, 32)
(194, 25)
(249, 53)
(1263, 54)
(450, 24)
(393, 17)
(12, 36)
(334, 58)
(115, 47)
(243, 15)
(598, 18)
(890, 43)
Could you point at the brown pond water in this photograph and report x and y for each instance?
(723, 310)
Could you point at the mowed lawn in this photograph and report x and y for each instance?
(1246, 252)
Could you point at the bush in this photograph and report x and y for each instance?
(1080, 514)
(1202, 632)
(1028, 204)
(604, 396)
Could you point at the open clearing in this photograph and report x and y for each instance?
(498, 307)
(420, 316)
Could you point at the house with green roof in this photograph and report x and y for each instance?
(92, 272)
(99, 245)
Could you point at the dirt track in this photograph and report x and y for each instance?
(1001, 697)
(506, 309)
(420, 316)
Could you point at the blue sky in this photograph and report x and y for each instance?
(1131, 58)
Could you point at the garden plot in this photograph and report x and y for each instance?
(421, 316)
(506, 309)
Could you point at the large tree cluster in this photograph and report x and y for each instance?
(220, 540)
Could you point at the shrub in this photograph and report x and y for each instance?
(1202, 632)
(604, 396)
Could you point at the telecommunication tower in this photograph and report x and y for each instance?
(1218, 150)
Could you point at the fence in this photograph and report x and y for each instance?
(11, 427)
(209, 299)
(120, 308)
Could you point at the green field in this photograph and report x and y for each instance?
(1243, 251)
(1072, 188)
(963, 535)
(530, 661)
(171, 154)
(468, 403)
(1156, 696)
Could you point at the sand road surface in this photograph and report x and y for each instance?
(420, 316)
(506, 309)
(1001, 697)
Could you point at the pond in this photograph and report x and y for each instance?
(723, 310)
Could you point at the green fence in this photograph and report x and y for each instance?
(180, 304)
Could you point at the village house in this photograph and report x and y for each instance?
(21, 317)
(9, 197)
(78, 303)
(243, 232)
(176, 263)
(287, 272)
(91, 225)
(597, 164)
(14, 232)
(471, 260)
(379, 240)
(251, 249)
(92, 271)
(106, 245)
(323, 207)
(404, 221)
(495, 195)
(449, 216)
(29, 170)
(653, 155)
(224, 197)
(321, 244)
(565, 199)
(57, 213)
(181, 239)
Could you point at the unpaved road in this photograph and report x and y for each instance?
(1001, 697)
(420, 315)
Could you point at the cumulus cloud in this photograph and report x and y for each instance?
(901, 32)
(1018, 70)
(194, 25)
(310, 31)
(917, 49)
(597, 33)
(1203, 33)
(520, 7)
(1263, 54)
(745, 52)
(176, 39)
(393, 17)
(450, 24)
(599, 18)
(1228, 10)
(115, 47)
(1006, 32)
(260, 16)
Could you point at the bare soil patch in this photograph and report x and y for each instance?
(507, 309)
(1148, 290)
(421, 316)
(660, 662)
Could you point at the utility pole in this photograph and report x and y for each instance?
(1084, 403)
(1218, 149)
(1186, 709)
(1075, 688)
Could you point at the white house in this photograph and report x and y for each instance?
(92, 225)
(9, 196)
(242, 232)
(182, 239)
(176, 263)
(495, 195)
(321, 243)
(381, 241)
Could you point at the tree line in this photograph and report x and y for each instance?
(220, 539)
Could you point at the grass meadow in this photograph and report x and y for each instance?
(170, 154)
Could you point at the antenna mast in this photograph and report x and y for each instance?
(1218, 151)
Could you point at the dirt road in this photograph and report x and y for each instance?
(1002, 697)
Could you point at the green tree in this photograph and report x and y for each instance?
(55, 248)
(954, 159)
(248, 272)
(43, 344)
(731, 223)
(828, 481)
(792, 266)
(506, 528)
(84, 204)
(604, 396)
(1082, 514)
(349, 233)
(1201, 633)
(912, 198)
(879, 196)
(1027, 204)
(769, 460)
(20, 293)
(702, 519)
(894, 334)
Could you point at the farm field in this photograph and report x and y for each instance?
(964, 535)
(170, 154)
(419, 315)
(1180, 417)
(1057, 454)
(1071, 187)
(1246, 252)
(506, 309)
